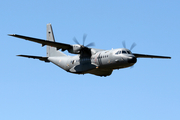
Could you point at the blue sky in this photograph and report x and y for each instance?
(31, 89)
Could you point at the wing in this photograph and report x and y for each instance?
(149, 56)
(44, 42)
(45, 59)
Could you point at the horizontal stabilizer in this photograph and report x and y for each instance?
(150, 56)
(45, 59)
(44, 42)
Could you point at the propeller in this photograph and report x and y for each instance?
(132, 46)
(124, 44)
(84, 39)
(132, 67)
(82, 48)
(90, 44)
(75, 40)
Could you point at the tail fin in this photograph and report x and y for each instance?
(52, 51)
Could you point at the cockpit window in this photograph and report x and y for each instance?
(124, 52)
(128, 52)
(118, 52)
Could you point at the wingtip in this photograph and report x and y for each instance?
(168, 57)
(11, 34)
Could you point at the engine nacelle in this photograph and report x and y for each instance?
(75, 49)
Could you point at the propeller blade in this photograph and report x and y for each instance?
(132, 67)
(84, 49)
(75, 40)
(132, 46)
(90, 44)
(124, 44)
(84, 38)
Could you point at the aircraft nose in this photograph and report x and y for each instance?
(132, 60)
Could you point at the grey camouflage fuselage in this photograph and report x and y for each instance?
(88, 60)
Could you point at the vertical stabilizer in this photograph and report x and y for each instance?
(52, 51)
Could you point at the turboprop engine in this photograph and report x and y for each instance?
(76, 49)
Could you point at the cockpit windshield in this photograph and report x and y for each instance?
(123, 52)
(129, 52)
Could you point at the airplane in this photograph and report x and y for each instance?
(88, 60)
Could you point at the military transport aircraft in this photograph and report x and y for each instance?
(88, 60)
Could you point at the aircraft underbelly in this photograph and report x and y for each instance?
(82, 68)
(101, 72)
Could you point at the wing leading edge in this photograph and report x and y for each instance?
(149, 56)
(44, 42)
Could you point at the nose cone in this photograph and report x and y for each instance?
(132, 60)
